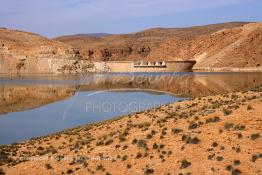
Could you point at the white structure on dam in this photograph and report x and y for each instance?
(148, 66)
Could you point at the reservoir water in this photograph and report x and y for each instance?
(33, 106)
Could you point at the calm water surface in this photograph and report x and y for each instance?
(32, 106)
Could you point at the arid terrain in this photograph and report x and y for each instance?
(23, 52)
(209, 135)
(136, 46)
(21, 97)
(228, 46)
(232, 46)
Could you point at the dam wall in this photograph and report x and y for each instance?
(161, 66)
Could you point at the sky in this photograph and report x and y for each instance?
(61, 17)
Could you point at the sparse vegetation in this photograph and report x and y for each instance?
(185, 164)
(176, 130)
(154, 137)
(48, 166)
(190, 140)
(227, 112)
(255, 136)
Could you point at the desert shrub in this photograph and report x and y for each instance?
(185, 164)
(255, 136)
(149, 136)
(99, 143)
(227, 112)
(193, 125)
(117, 146)
(212, 120)
(48, 166)
(255, 157)
(239, 127)
(190, 140)
(155, 146)
(138, 155)
(237, 162)
(153, 132)
(164, 131)
(122, 138)
(125, 147)
(210, 157)
(134, 141)
(215, 105)
(124, 158)
(2, 171)
(220, 158)
(228, 126)
(214, 144)
(141, 143)
(236, 172)
(237, 149)
(69, 171)
(239, 135)
(229, 168)
(128, 166)
(100, 168)
(143, 125)
(149, 171)
(161, 146)
(59, 158)
(249, 107)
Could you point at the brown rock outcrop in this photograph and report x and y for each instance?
(22, 52)
(232, 49)
(135, 46)
(15, 98)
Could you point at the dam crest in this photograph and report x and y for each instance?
(146, 66)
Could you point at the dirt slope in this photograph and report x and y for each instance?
(23, 52)
(228, 49)
(136, 46)
(211, 136)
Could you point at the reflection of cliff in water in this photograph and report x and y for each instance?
(15, 98)
(180, 85)
(19, 97)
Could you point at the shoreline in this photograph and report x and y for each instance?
(217, 130)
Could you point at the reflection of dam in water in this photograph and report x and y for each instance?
(36, 106)
(183, 85)
(23, 93)
(146, 66)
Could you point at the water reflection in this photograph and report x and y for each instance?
(32, 106)
(23, 93)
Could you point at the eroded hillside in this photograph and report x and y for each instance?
(229, 49)
(137, 46)
(23, 52)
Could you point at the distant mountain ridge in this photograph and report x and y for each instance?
(225, 46)
(96, 35)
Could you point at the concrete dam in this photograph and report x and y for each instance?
(146, 66)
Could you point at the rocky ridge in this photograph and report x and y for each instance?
(23, 52)
(137, 46)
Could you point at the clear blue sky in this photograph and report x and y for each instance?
(58, 17)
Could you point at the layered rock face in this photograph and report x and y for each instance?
(19, 98)
(236, 49)
(22, 52)
(228, 46)
(136, 46)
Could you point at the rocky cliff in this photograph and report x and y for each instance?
(22, 52)
(136, 46)
(228, 46)
(15, 98)
(239, 48)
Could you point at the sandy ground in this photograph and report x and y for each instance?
(210, 135)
